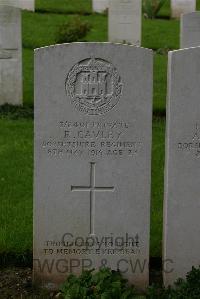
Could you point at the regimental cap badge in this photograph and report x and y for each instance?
(94, 86)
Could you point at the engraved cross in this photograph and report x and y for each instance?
(92, 189)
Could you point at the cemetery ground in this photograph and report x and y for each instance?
(16, 125)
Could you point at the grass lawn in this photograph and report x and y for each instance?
(28, 73)
(47, 36)
(64, 7)
(160, 34)
(160, 82)
(16, 135)
(40, 29)
(16, 177)
(158, 153)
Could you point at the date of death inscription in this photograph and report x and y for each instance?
(93, 139)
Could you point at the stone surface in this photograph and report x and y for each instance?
(10, 56)
(125, 21)
(182, 188)
(93, 119)
(100, 5)
(190, 30)
(22, 4)
(179, 7)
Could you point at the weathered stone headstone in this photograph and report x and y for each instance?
(182, 188)
(179, 7)
(22, 4)
(125, 21)
(93, 118)
(190, 30)
(100, 5)
(11, 50)
(10, 56)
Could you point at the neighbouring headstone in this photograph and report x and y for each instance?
(93, 119)
(22, 4)
(190, 30)
(11, 50)
(182, 188)
(100, 5)
(179, 7)
(125, 21)
(10, 56)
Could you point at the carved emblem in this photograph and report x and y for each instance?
(94, 86)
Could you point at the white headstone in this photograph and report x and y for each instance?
(100, 5)
(179, 7)
(22, 4)
(125, 21)
(93, 119)
(190, 30)
(182, 185)
(10, 56)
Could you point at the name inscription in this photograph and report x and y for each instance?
(92, 139)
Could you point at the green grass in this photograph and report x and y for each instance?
(158, 154)
(28, 76)
(16, 179)
(165, 10)
(160, 82)
(40, 29)
(159, 34)
(64, 7)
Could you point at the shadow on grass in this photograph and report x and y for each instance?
(16, 112)
(59, 12)
(14, 259)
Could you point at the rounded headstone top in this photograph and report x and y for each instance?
(22, 4)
